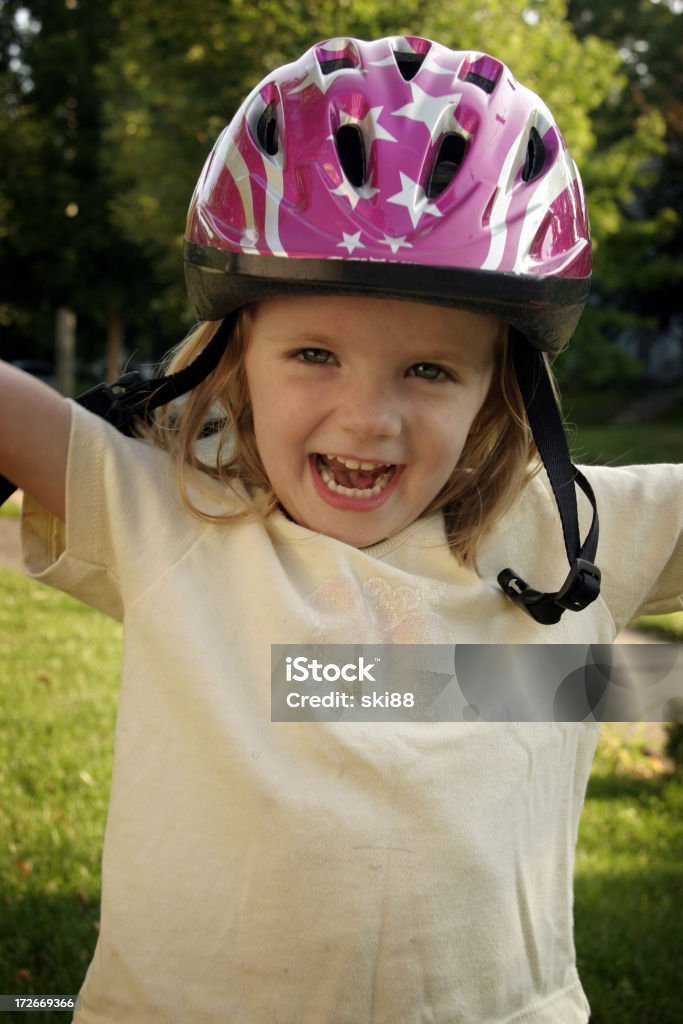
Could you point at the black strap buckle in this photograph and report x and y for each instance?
(119, 402)
(581, 588)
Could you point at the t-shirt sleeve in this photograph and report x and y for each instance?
(125, 523)
(640, 550)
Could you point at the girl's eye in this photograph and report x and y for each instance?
(428, 371)
(319, 356)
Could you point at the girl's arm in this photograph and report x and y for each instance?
(34, 437)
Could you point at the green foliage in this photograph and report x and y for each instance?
(536, 41)
(674, 729)
(635, 179)
(58, 242)
(674, 743)
(593, 361)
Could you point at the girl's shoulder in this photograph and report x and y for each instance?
(640, 550)
(624, 491)
(125, 523)
(637, 478)
(136, 471)
(633, 498)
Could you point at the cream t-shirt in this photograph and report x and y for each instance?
(331, 873)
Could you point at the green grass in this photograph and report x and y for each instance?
(629, 444)
(58, 689)
(669, 627)
(599, 408)
(10, 510)
(629, 888)
(595, 439)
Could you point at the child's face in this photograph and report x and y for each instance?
(393, 384)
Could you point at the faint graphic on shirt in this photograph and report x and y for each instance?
(344, 609)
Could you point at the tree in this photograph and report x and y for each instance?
(58, 243)
(636, 174)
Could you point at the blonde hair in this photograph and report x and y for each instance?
(498, 459)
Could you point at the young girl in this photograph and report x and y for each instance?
(382, 244)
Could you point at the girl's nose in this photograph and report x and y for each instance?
(369, 410)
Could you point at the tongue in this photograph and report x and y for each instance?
(362, 479)
(359, 479)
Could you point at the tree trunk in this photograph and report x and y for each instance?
(114, 357)
(65, 350)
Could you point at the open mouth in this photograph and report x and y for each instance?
(352, 478)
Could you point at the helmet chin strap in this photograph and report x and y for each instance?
(582, 585)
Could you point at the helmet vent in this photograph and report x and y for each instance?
(337, 55)
(351, 149)
(266, 129)
(449, 157)
(408, 63)
(336, 64)
(487, 84)
(535, 157)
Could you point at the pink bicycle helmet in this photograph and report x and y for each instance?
(399, 169)
(396, 168)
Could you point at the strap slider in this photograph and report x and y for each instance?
(580, 589)
(581, 586)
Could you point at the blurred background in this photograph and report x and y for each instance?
(110, 107)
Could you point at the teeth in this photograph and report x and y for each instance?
(353, 463)
(354, 492)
